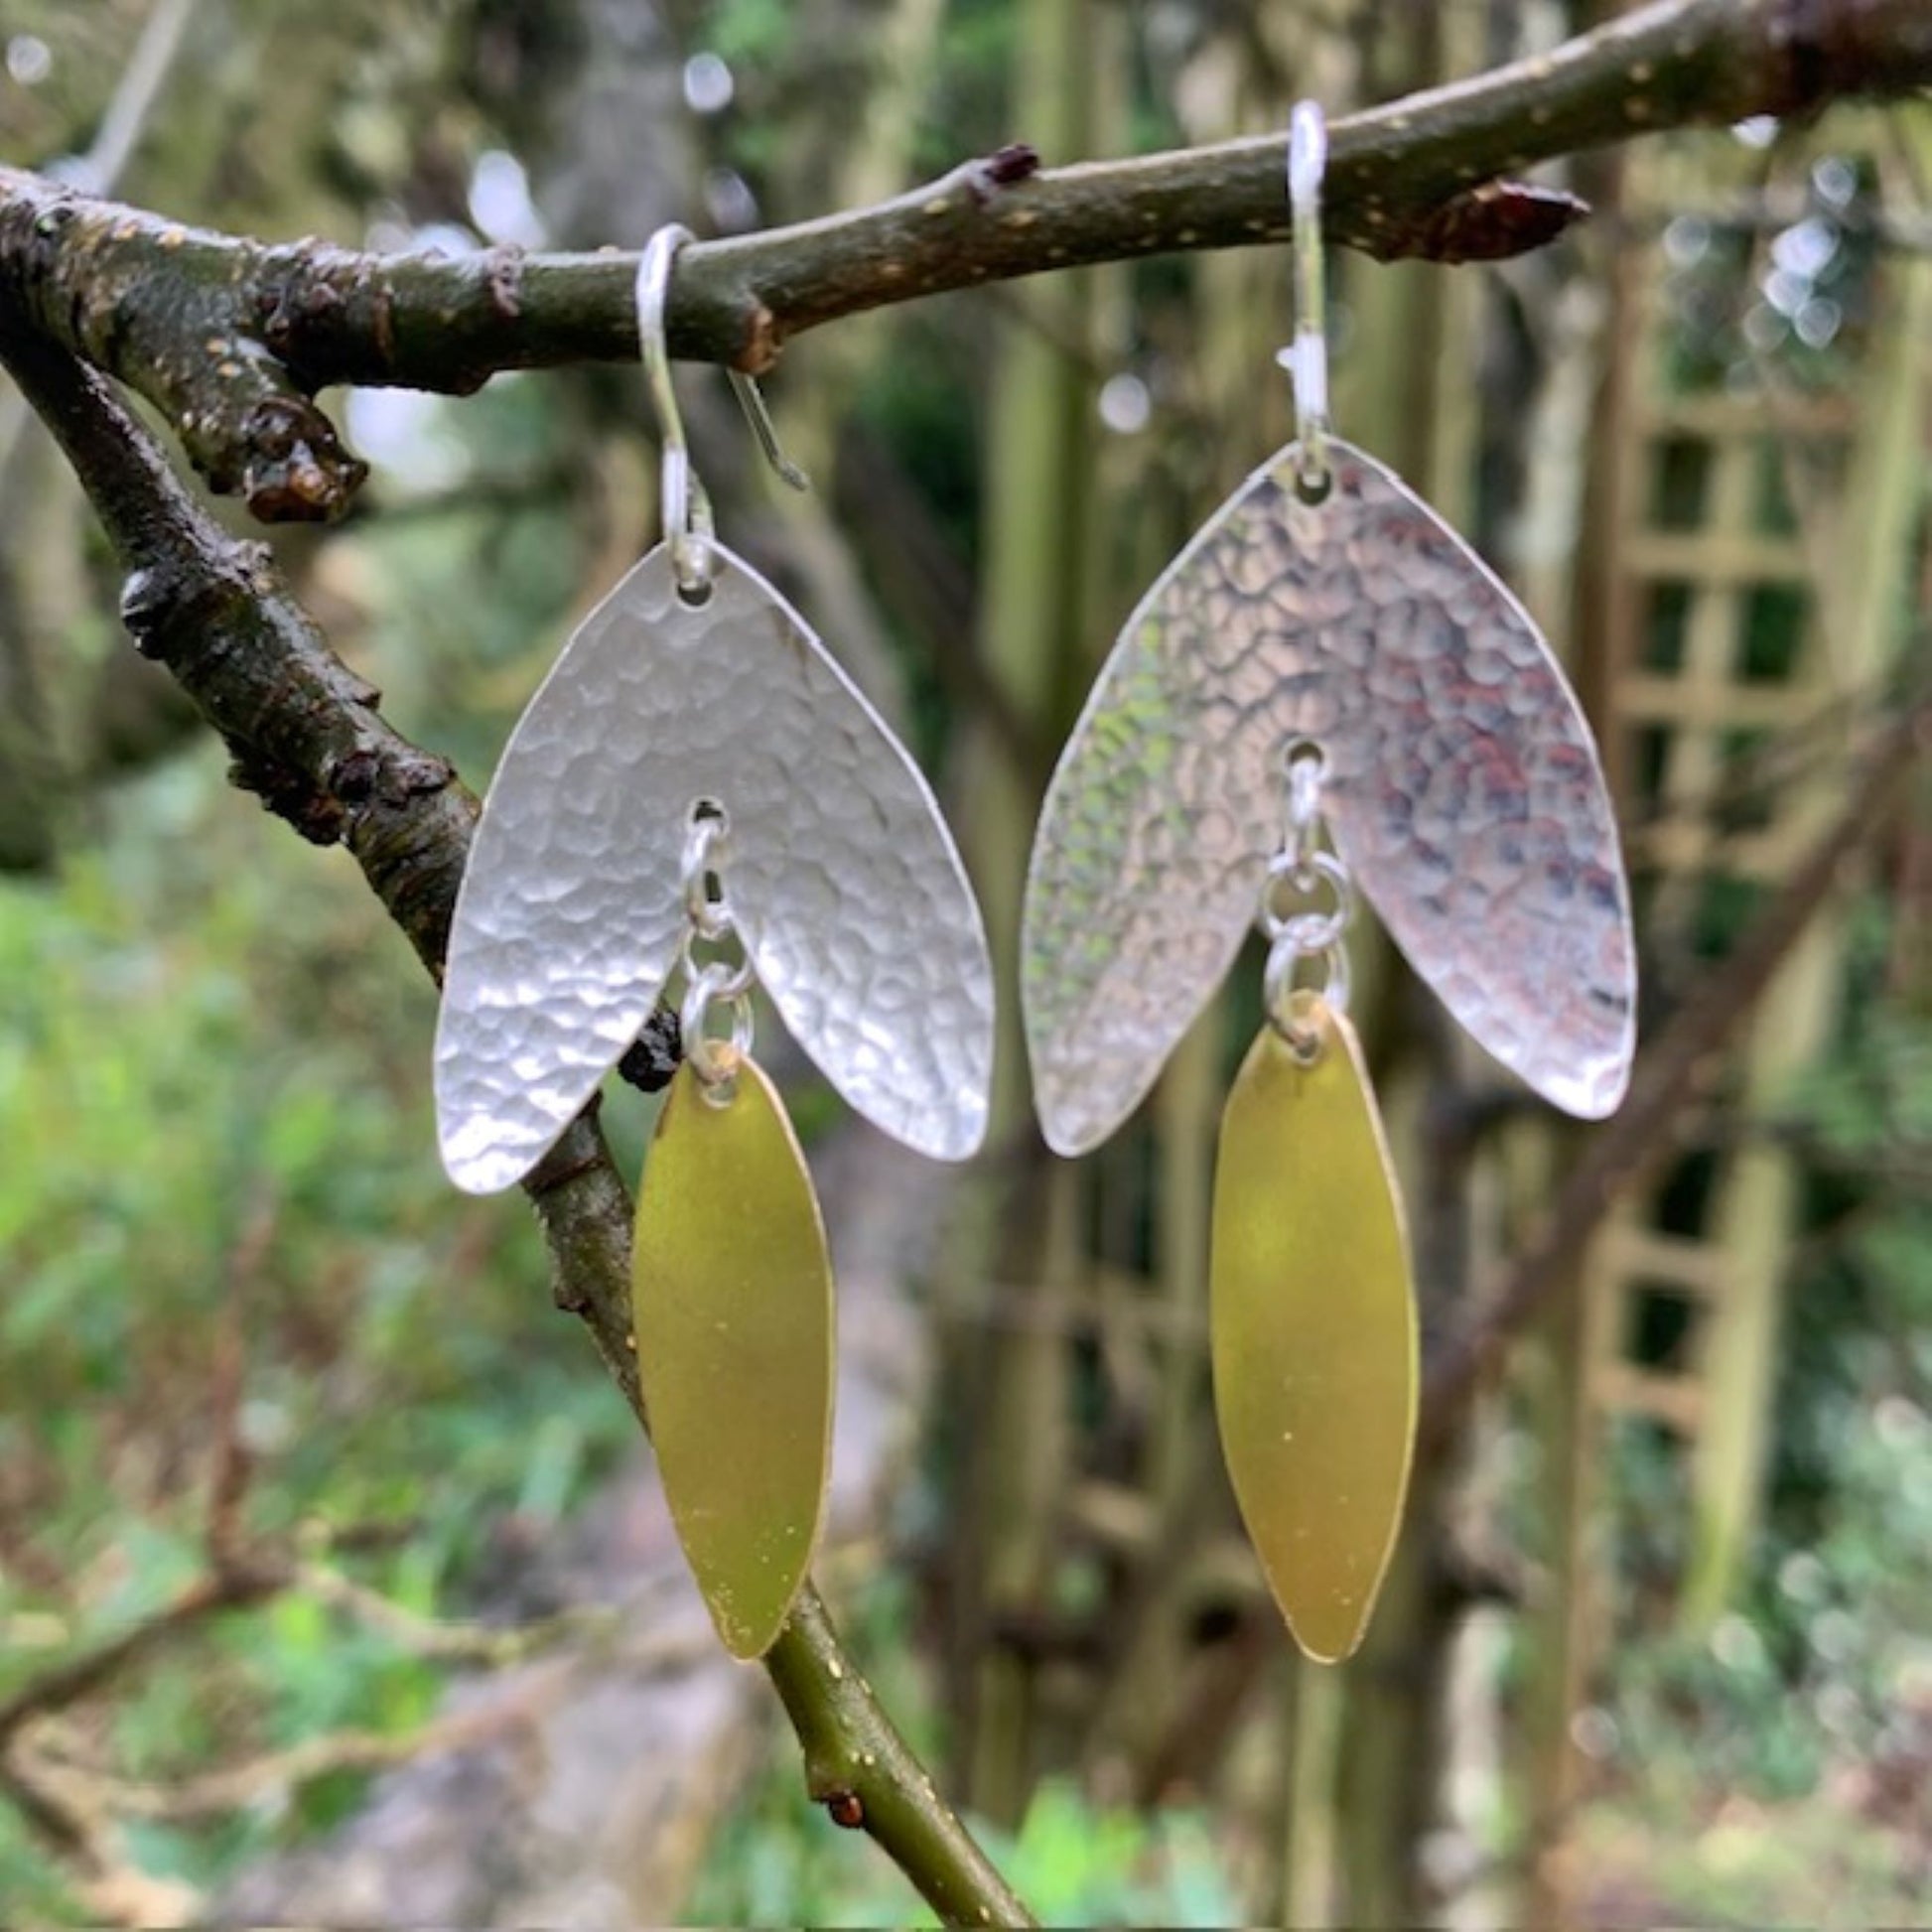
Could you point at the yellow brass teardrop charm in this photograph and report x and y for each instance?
(1313, 1327)
(732, 1300)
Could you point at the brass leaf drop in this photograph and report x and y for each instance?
(1313, 1330)
(732, 1298)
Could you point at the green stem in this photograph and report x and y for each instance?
(859, 1767)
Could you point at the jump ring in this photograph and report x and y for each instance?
(715, 1062)
(706, 848)
(730, 978)
(1280, 992)
(1305, 875)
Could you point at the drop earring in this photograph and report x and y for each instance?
(697, 789)
(1326, 689)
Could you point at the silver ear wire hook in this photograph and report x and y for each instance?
(751, 401)
(686, 506)
(1307, 357)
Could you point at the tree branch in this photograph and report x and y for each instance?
(306, 736)
(237, 1787)
(234, 1586)
(230, 338)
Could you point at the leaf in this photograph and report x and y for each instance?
(844, 883)
(1463, 793)
(732, 1298)
(1313, 1330)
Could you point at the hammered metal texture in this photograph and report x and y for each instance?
(844, 883)
(1463, 791)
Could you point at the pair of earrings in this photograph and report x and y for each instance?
(1327, 688)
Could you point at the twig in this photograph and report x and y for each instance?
(111, 1886)
(304, 734)
(237, 1787)
(230, 338)
(74, 1804)
(89, 1670)
(79, 1809)
(455, 1642)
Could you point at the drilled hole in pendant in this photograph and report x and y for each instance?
(706, 845)
(1304, 754)
(694, 597)
(1305, 767)
(1304, 1027)
(719, 1086)
(1313, 486)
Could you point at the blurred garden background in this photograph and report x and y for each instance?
(1659, 1643)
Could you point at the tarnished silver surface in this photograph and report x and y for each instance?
(845, 885)
(1462, 790)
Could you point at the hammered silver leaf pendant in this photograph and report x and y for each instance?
(1463, 791)
(845, 885)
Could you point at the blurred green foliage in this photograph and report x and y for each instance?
(1779, 1764)
(213, 1101)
